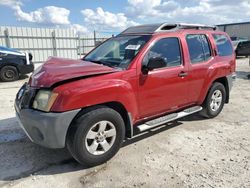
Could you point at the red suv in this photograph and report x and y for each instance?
(145, 77)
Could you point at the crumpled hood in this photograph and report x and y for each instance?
(55, 70)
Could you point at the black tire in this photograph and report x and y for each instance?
(9, 73)
(81, 126)
(207, 109)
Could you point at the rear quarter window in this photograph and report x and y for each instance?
(223, 44)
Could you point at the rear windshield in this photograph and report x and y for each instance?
(223, 44)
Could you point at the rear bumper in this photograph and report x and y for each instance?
(46, 129)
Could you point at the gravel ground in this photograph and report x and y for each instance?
(192, 152)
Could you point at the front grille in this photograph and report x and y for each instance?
(26, 99)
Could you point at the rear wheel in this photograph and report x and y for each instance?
(97, 136)
(9, 73)
(215, 100)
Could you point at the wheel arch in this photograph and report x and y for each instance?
(117, 106)
(126, 116)
(223, 81)
(9, 64)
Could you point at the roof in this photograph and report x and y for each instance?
(164, 27)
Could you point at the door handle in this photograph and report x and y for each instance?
(183, 74)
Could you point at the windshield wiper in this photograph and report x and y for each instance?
(94, 61)
(100, 62)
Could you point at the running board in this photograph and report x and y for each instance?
(170, 117)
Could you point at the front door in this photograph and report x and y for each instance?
(165, 89)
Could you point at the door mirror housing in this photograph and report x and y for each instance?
(153, 63)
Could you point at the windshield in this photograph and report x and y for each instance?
(118, 51)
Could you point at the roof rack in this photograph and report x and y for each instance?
(165, 27)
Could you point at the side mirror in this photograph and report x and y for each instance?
(153, 63)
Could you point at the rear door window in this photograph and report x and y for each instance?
(198, 47)
(223, 44)
(206, 47)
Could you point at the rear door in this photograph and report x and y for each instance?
(200, 58)
(207, 58)
(163, 89)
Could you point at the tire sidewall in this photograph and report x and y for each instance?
(220, 87)
(84, 123)
(6, 68)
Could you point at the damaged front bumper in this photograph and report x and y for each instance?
(46, 129)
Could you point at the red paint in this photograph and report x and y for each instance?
(144, 96)
(58, 69)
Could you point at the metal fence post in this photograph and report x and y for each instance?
(79, 46)
(54, 43)
(94, 38)
(7, 38)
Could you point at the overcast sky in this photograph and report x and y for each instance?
(116, 15)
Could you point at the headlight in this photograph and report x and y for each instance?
(44, 100)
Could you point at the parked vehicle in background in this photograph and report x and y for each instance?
(235, 43)
(14, 63)
(145, 77)
(243, 49)
(239, 38)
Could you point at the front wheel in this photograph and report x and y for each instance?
(9, 73)
(214, 101)
(97, 136)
